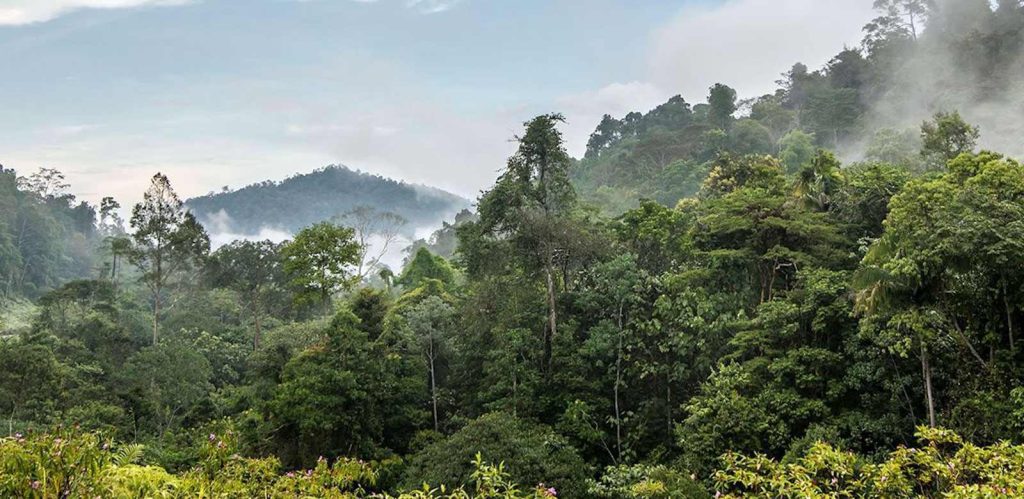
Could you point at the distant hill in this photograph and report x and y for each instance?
(305, 199)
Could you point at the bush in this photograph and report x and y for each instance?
(944, 466)
(531, 454)
(67, 463)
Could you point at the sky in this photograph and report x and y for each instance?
(230, 92)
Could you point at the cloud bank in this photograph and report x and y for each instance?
(19, 12)
(16, 12)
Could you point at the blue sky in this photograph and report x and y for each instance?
(229, 92)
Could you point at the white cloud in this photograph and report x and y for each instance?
(15, 12)
(748, 43)
(423, 6)
(432, 6)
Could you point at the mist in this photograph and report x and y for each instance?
(223, 230)
(956, 65)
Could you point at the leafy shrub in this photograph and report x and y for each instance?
(67, 463)
(531, 453)
(645, 482)
(944, 466)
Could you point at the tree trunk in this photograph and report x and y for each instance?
(433, 390)
(156, 315)
(618, 381)
(258, 333)
(668, 406)
(926, 372)
(552, 313)
(1009, 316)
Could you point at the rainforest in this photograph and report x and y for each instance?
(815, 292)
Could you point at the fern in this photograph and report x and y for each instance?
(128, 454)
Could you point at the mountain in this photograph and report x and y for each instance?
(305, 199)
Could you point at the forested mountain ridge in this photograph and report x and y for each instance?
(918, 58)
(305, 199)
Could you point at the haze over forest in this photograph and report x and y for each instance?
(741, 269)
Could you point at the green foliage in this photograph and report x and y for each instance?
(943, 466)
(736, 304)
(45, 236)
(423, 266)
(946, 137)
(71, 464)
(721, 106)
(797, 150)
(320, 261)
(647, 482)
(166, 381)
(168, 243)
(532, 454)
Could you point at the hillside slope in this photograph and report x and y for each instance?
(302, 200)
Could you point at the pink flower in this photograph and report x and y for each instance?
(290, 474)
(35, 484)
(551, 492)
(309, 472)
(213, 437)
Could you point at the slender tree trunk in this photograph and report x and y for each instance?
(433, 389)
(156, 315)
(257, 317)
(1009, 316)
(515, 394)
(668, 407)
(926, 372)
(552, 312)
(618, 381)
(158, 281)
(113, 273)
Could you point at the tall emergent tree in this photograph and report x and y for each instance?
(320, 261)
(531, 204)
(168, 243)
(722, 106)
